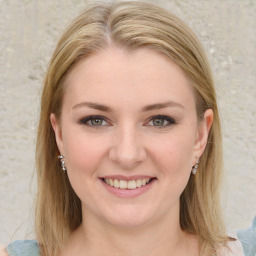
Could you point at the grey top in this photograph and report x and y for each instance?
(248, 239)
(23, 248)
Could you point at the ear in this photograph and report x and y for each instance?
(58, 133)
(202, 133)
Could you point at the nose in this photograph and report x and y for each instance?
(127, 149)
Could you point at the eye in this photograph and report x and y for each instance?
(94, 121)
(161, 121)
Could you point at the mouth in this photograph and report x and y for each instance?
(127, 184)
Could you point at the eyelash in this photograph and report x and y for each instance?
(86, 120)
(168, 119)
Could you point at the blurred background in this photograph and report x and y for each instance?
(29, 30)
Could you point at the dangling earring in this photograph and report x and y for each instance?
(194, 169)
(62, 163)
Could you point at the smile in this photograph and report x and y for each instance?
(125, 184)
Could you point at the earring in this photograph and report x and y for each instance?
(194, 169)
(62, 163)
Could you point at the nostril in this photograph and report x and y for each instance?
(125, 158)
(127, 150)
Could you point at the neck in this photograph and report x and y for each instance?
(160, 238)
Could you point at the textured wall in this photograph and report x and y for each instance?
(28, 33)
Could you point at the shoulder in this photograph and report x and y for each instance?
(233, 248)
(236, 248)
(248, 239)
(2, 251)
(23, 248)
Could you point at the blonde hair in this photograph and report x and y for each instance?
(130, 25)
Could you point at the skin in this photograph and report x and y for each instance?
(3, 251)
(130, 141)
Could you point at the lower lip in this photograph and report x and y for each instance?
(128, 192)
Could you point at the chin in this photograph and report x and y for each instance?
(128, 217)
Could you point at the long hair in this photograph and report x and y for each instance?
(130, 25)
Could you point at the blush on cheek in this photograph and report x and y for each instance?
(175, 163)
(81, 161)
(84, 154)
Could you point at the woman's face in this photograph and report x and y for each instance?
(130, 135)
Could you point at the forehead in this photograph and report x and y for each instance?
(141, 75)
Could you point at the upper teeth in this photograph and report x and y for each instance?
(124, 184)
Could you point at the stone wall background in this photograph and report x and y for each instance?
(29, 30)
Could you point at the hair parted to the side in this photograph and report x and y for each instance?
(129, 25)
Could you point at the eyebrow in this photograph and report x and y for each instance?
(94, 106)
(162, 105)
(144, 109)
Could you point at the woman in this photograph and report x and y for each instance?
(129, 154)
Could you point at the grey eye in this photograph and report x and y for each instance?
(161, 121)
(158, 121)
(96, 121)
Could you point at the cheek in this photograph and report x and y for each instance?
(83, 152)
(84, 155)
(174, 155)
(172, 159)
